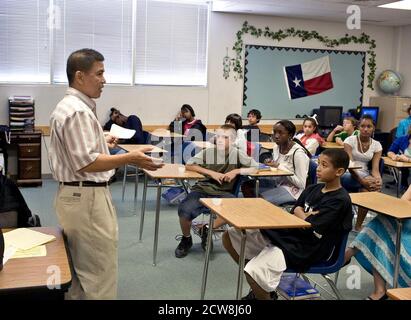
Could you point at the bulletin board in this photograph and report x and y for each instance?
(265, 87)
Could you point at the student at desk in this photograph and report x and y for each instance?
(186, 124)
(363, 149)
(310, 137)
(222, 166)
(327, 206)
(253, 131)
(348, 129)
(400, 150)
(404, 125)
(374, 249)
(131, 122)
(290, 155)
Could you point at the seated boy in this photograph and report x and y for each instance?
(253, 131)
(327, 206)
(221, 165)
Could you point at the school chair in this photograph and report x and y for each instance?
(331, 265)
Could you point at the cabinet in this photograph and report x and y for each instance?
(28, 157)
(392, 110)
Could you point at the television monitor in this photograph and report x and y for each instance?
(372, 111)
(329, 116)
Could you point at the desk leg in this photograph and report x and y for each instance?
(241, 264)
(143, 207)
(124, 182)
(397, 253)
(183, 183)
(399, 174)
(157, 222)
(136, 186)
(257, 187)
(207, 257)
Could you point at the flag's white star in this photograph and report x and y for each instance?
(297, 82)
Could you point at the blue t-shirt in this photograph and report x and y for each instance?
(400, 144)
(403, 127)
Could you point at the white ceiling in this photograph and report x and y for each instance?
(327, 10)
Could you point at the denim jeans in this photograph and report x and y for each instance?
(273, 193)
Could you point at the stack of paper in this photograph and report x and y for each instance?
(25, 243)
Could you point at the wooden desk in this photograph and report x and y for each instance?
(267, 173)
(129, 148)
(27, 276)
(399, 293)
(238, 212)
(390, 206)
(268, 145)
(396, 165)
(169, 171)
(161, 133)
(331, 145)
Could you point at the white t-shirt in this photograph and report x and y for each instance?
(363, 158)
(241, 140)
(311, 144)
(297, 162)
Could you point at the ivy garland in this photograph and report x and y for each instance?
(304, 35)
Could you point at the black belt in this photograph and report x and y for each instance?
(85, 184)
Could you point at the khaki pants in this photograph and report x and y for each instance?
(89, 221)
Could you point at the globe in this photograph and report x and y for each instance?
(389, 81)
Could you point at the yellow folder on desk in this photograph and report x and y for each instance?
(26, 239)
(39, 251)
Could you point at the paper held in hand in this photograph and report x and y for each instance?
(120, 132)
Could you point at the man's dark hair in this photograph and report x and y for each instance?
(338, 157)
(256, 113)
(81, 60)
(187, 107)
(235, 119)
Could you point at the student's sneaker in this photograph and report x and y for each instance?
(204, 237)
(184, 246)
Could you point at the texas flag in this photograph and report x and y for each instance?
(308, 78)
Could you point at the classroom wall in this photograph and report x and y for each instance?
(159, 104)
(404, 65)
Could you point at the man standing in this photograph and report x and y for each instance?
(81, 163)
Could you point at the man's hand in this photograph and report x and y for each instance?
(230, 176)
(219, 177)
(143, 161)
(111, 141)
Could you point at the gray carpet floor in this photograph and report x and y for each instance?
(174, 278)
